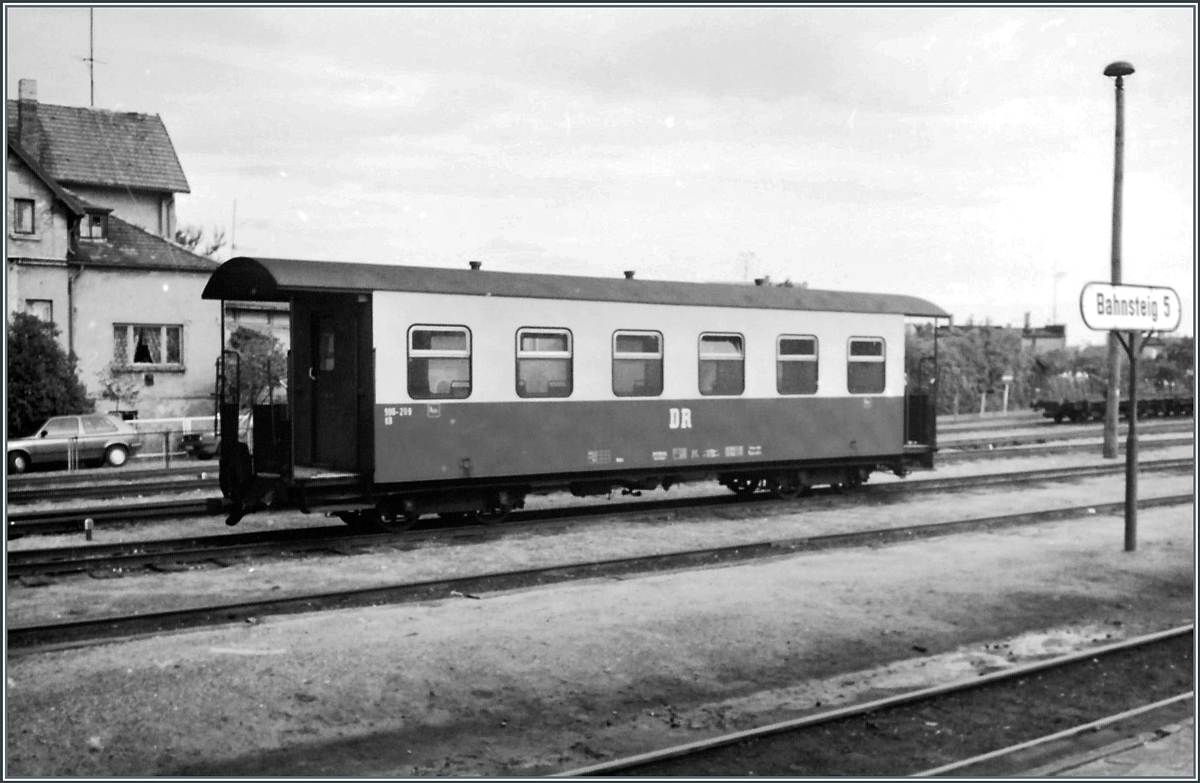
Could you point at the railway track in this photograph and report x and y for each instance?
(1026, 420)
(95, 629)
(1002, 723)
(1025, 437)
(102, 484)
(58, 521)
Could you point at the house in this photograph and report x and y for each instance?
(101, 267)
(123, 161)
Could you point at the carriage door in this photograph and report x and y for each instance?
(334, 375)
(920, 404)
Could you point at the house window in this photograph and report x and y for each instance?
(93, 226)
(637, 369)
(722, 364)
(23, 216)
(148, 345)
(544, 359)
(42, 309)
(796, 365)
(865, 366)
(439, 362)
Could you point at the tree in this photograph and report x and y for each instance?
(192, 238)
(263, 365)
(42, 379)
(118, 384)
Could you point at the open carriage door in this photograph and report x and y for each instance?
(920, 400)
(330, 380)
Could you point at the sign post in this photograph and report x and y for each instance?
(1136, 311)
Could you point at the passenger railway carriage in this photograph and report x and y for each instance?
(420, 390)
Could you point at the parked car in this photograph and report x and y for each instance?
(201, 445)
(94, 438)
(206, 444)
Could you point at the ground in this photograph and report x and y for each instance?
(530, 681)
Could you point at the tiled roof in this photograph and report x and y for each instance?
(107, 148)
(130, 247)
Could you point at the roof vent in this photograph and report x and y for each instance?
(476, 265)
(629, 274)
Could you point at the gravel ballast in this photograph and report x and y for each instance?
(531, 681)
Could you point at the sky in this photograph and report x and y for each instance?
(963, 155)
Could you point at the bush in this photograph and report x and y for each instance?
(263, 365)
(42, 380)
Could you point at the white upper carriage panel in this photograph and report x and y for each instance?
(472, 336)
(505, 349)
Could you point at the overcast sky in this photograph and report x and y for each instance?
(962, 155)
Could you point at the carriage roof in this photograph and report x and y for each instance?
(276, 279)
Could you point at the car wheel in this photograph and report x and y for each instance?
(203, 453)
(116, 456)
(18, 462)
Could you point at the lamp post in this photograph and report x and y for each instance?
(1119, 70)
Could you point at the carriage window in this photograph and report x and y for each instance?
(865, 366)
(544, 363)
(722, 364)
(796, 365)
(637, 369)
(439, 362)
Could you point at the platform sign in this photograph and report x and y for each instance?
(1129, 308)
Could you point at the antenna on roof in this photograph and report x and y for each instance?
(91, 58)
(233, 229)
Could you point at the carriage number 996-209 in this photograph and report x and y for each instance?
(391, 413)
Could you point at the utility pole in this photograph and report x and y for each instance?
(1112, 404)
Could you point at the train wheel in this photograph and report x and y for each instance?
(744, 487)
(786, 487)
(496, 516)
(390, 522)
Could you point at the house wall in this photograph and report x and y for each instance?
(51, 239)
(154, 212)
(41, 280)
(104, 297)
(36, 267)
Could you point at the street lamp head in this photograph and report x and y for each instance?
(1119, 68)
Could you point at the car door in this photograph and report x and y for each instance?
(97, 430)
(54, 439)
